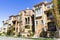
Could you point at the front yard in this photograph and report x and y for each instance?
(42, 38)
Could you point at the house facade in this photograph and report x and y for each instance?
(44, 19)
(5, 25)
(27, 21)
(22, 23)
(37, 20)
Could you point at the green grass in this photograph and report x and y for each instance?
(42, 38)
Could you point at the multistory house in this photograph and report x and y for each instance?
(23, 23)
(36, 20)
(44, 18)
(5, 25)
(27, 21)
(14, 23)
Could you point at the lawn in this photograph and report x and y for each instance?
(42, 38)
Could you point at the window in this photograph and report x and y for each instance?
(18, 18)
(51, 26)
(24, 11)
(17, 29)
(49, 15)
(14, 22)
(26, 20)
(42, 21)
(36, 22)
(52, 6)
(48, 6)
(38, 11)
(4, 28)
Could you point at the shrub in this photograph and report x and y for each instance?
(18, 35)
(30, 33)
(0, 33)
(8, 32)
(27, 27)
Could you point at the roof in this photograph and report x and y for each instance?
(12, 16)
(17, 15)
(25, 9)
(46, 3)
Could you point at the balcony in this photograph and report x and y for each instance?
(38, 15)
(19, 18)
(13, 18)
(51, 26)
(50, 18)
(5, 22)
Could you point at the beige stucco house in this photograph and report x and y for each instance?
(43, 18)
(27, 21)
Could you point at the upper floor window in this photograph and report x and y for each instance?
(51, 26)
(48, 6)
(4, 29)
(6, 25)
(28, 20)
(38, 10)
(36, 22)
(42, 21)
(19, 17)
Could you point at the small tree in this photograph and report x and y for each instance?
(10, 31)
(43, 33)
(30, 33)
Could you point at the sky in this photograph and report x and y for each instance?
(12, 7)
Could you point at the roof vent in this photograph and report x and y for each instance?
(27, 8)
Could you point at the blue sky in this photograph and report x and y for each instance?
(12, 7)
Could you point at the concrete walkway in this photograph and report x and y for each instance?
(11, 38)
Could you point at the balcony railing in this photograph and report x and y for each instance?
(50, 18)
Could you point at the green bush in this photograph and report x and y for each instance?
(18, 35)
(8, 32)
(43, 39)
(0, 33)
(43, 34)
(27, 27)
(31, 33)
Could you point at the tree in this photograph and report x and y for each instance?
(10, 30)
(58, 2)
(56, 13)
